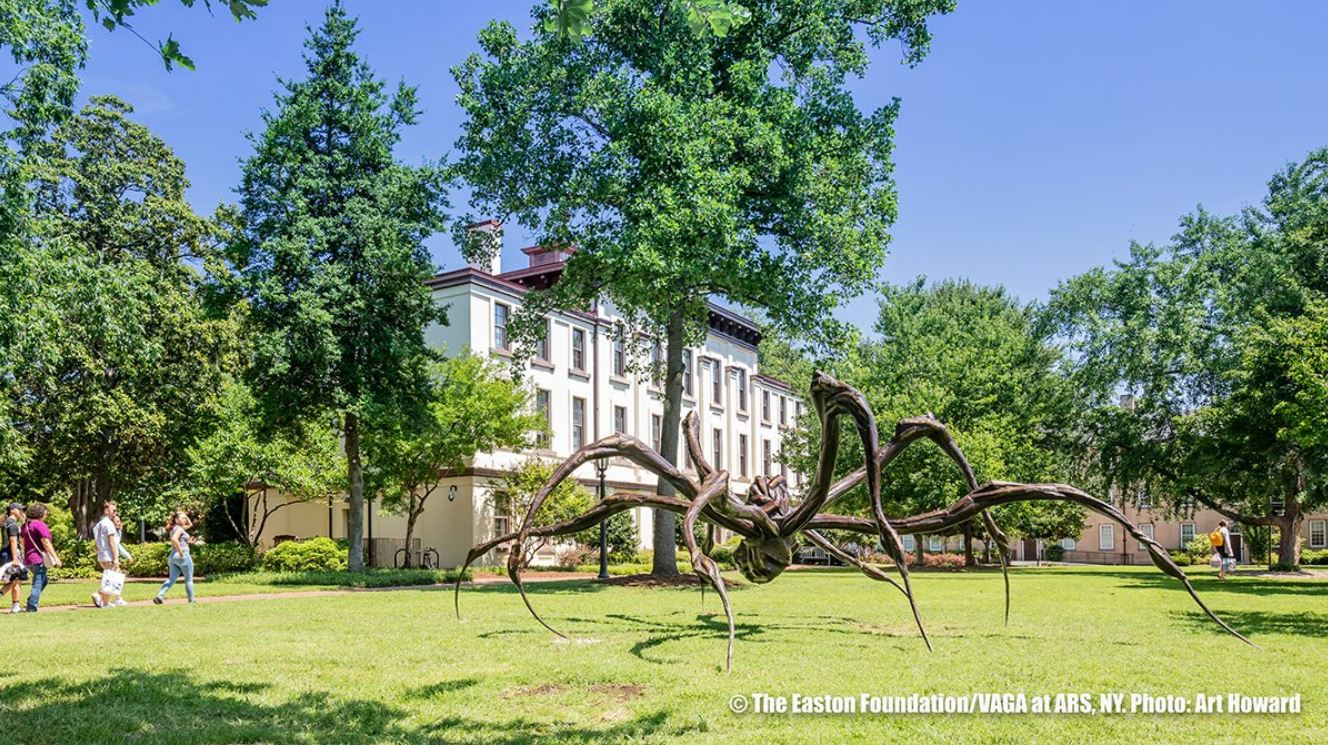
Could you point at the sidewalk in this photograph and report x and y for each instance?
(478, 579)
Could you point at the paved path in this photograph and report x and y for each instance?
(478, 579)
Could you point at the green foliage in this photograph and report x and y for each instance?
(319, 554)
(1311, 557)
(375, 577)
(330, 250)
(517, 486)
(1054, 552)
(113, 14)
(970, 356)
(471, 406)
(150, 559)
(1200, 549)
(1218, 338)
(118, 372)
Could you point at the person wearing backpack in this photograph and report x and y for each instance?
(12, 569)
(1220, 540)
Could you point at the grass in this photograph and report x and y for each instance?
(79, 591)
(647, 664)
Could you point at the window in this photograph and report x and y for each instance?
(765, 406)
(1106, 537)
(717, 383)
(1147, 530)
(783, 471)
(742, 389)
(765, 458)
(687, 371)
(542, 408)
(742, 455)
(579, 350)
(657, 363)
(934, 544)
(1318, 533)
(1068, 544)
(500, 315)
(578, 422)
(1186, 534)
(909, 543)
(542, 344)
(797, 411)
(1145, 501)
(717, 457)
(620, 420)
(783, 411)
(619, 357)
(656, 431)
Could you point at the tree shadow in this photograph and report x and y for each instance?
(134, 705)
(1210, 584)
(1259, 623)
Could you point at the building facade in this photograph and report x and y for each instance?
(584, 384)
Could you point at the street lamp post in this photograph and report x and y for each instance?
(602, 466)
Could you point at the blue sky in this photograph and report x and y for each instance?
(1035, 141)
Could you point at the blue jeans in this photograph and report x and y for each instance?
(179, 566)
(38, 574)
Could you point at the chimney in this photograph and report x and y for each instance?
(1128, 401)
(485, 249)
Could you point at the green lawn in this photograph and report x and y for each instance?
(647, 665)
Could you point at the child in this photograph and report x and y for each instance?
(12, 569)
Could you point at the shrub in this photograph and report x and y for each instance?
(1311, 557)
(230, 556)
(1199, 549)
(577, 555)
(1283, 566)
(319, 554)
(1054, 552)
(943, 561)
(1181, 558)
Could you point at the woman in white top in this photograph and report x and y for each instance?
(180, 562)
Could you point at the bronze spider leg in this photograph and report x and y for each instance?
(704, 566)
(998, 493)
(831, 399)
(844, 556)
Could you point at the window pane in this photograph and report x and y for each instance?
(578, 422)
(500, 312)
(1106, 537)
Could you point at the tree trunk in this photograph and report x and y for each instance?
(919, 556)
(412, 515)
(80, 507)
(1288, 543)
(969, 559)
(665, 561)
(355, 477)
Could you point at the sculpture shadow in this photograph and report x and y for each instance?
(1259, 623)
(1206, 584)
(135, 705)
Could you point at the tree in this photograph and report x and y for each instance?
(679, 168)
(1216, 338)
(971, 356)
(518, 485)
(241, 457)
(331, 250)
(126, 379)
(470, 407)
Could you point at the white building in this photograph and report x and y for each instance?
(583, 383)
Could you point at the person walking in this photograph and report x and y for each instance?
(107, 539)
(179, 560)
(1221, 542)
(38, 552)
(12, 569)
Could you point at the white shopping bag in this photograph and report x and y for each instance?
(1216, 561)
(112, 582)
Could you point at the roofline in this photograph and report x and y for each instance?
(773, 382)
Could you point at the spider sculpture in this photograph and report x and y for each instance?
(772, 525)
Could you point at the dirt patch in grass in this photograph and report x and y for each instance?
(649, 580)
(539, 690)
(620, 691)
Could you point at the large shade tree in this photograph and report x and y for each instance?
(129, 362)
(1216, 338)
(689, 160)
(331, 249)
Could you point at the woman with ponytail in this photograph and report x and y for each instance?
(180, 562)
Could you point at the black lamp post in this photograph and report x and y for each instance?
(602, 466)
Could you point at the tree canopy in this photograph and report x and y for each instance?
(1216, 338)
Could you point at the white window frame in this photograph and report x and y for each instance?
(765, 406)
(542, 343)
(1147, 530)
(1323, 534)
(1106, 537)
(742, 390)
(578, 365)
(766, 458)
(717, 448)
(619, 356)
(501, 340)
(620, 420)
(716, 383)
(1193, 532)
(742, 455)
(783, 411)
(1069, 544)
(910, 543)
(578, 441)
(687, 372)
(542, 439)
(656, 430)
(934, 544)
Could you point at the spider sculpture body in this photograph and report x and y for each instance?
(772, 525)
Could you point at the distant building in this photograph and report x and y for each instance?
(584, 386)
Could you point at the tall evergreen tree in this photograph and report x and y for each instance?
(331, 248)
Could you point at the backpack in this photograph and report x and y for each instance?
(1215, 539)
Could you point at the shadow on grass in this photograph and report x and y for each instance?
(1255, 624)
(130, 705)
(1205, 583)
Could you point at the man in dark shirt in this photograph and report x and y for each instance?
(12, 569)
